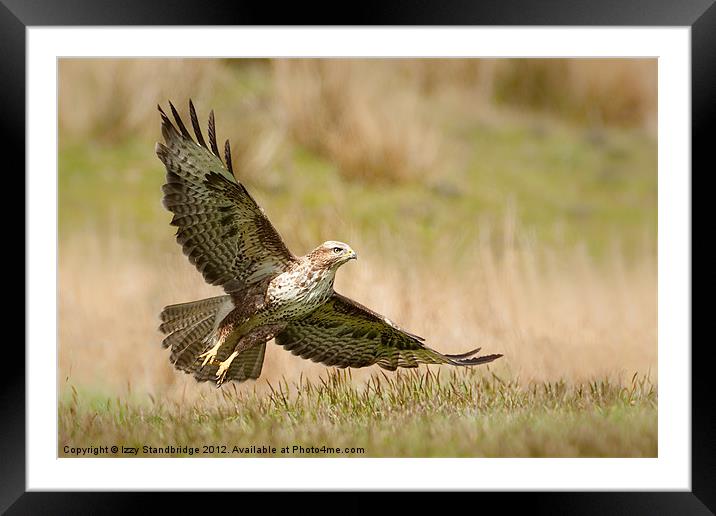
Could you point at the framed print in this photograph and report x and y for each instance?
(384, 257)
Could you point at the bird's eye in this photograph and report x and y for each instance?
(337, 250)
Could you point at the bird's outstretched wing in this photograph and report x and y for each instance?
(344, 333)
(221, 229)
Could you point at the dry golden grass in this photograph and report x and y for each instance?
(615, 92)
(117, 98)
(376, 119)
(555, 316)
(358, 113)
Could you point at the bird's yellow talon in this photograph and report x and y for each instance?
(224, 368)
(210, 356)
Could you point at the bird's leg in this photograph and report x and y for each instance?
(256, 336)
(224, 367)
(210, 355)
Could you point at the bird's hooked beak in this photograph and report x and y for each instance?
(351, 254)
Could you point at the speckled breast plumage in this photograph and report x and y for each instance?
(299, 291)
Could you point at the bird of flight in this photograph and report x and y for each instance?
(270, 293)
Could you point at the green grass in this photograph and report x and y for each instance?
(416, 414)
(116, 187)
(599, 188)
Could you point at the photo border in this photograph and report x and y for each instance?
(699, 15)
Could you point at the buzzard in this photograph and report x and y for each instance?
(270, 293)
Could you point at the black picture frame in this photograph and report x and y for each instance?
(17, 15)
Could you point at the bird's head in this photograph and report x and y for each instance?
(333, 254)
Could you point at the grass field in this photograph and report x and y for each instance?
(413, 414)
(485, 213)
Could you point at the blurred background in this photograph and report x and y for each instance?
(509, 204)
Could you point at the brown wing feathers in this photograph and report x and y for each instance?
(179, 122)
(221, 228)
(344, 333)
(227, 155)
(212, 135)
(195, 124)
(468, 359)
(197, 130)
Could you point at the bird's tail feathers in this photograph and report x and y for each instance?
(189, 328)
